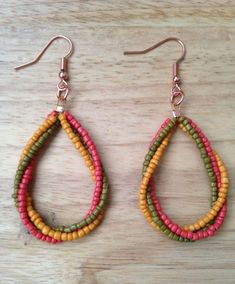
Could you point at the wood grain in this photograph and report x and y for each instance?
(121, 101)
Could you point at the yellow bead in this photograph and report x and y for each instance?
(75, 235)
(186, 228)
(70, 237)
(216, 207)
(223, 189)
(43, 128)
(78, 144)
(213, 212)
(145, 181)
(37, 221)
(71, 135)
(52, 118)
(97, 221)
(65, 125)
(222, 194)
(45, 230)
(150, 170)
(61, 116)
(191, 228)
(220, 199)
(89, 163)
(147, 175)
(91, 226)
(64, 236)
(75, 139)
(224, 180)
(57, 235)
(81, 233)
(86, 230)
(29, 208)
(68, 130)
(34, 217)
(201, 223)
(196, 226)
(40, 225)
(31, 213)
(210, 216)
(142, 202)
(206, 219)
(51, 233)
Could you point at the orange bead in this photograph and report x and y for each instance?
(91, 226)
(51, 233)
(70, 237)
(81, 233)
(45, 230)
(64, 236)
(57, 235)
(75, 235)
(86, 230)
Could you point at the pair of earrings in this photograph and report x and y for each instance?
(149, 203)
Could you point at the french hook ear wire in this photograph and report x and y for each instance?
(39, 55)
(177, 95)
(62, 85)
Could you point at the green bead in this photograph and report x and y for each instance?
(207, 160)
(167, 232)
(185, 122)
(175, 237)
(155, 219)
(195, 136)
(171, 235)
(163, 227)
(151, 208)
(67, 230)
(73, 227)
(96, 212)
(148, 157)
(192, 131)
(81, 224)
(153, 148)
(188, 126)
(180, 118)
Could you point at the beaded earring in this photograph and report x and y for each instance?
(82, 142)
(208, 224)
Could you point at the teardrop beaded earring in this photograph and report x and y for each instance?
(207, 225)
(82, 142)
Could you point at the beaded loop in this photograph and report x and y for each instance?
(217, 173)
(83, 143)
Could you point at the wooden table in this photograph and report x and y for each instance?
(121, 101)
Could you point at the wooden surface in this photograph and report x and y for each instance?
(121, 101)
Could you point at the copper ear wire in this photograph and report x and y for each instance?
(62, 86)
(177, 95)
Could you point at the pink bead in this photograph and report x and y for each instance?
(200, 234)
(195, 237)
(43, 238)
(163, 217)
(23, 215)
(205, 234)
(190, 235)
(39, 235)
(168, 223)
(210, 233)
(183, 234)
(178, 231)
(25, 221)
(174, 228)
(21, 197)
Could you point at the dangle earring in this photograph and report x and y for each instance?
(31, 219)
(209, 223)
